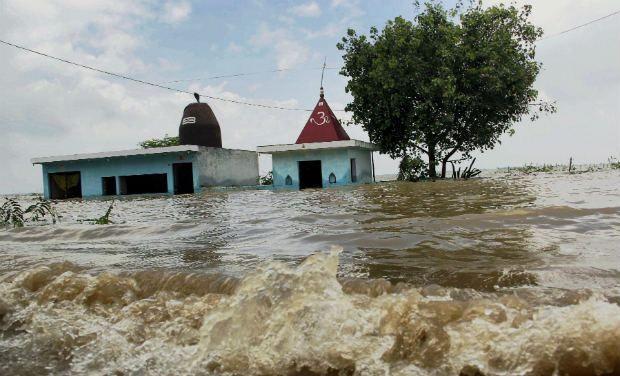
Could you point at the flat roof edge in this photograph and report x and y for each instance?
(115, 154)
(211, 147)
(270, 149)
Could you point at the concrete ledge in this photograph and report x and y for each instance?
(270, 149)
(116, 154)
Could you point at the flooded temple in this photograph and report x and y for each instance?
(322, 156)
(200, 161)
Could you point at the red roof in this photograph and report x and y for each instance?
(322, 126)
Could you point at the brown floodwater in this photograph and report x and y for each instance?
(510, 274)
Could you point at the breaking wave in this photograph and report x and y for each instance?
(287, 320)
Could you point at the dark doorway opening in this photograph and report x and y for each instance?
(310, 175)
(141, 184)
(65, 185)
(108, 184)
(353, 170)
(183, 178)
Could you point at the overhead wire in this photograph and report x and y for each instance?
(125, 77)
(232, 75)
(579, 26)
(163, 85)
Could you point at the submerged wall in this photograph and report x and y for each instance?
(219, 167)
(210, 167)
(336, 161)
(93, 170)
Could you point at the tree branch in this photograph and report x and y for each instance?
(448, 148)
(451, 153)
(421, 149)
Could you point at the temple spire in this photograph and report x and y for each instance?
(322, 93)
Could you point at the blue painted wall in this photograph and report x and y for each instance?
(93, 170)
(336, 161)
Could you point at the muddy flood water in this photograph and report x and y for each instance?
(510, 274)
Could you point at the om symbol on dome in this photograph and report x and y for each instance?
(324, 118)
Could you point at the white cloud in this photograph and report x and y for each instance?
(175, 12)
(561, 14)
(337, 3)
(351, 12)
(287, 20)
(56, 108)
(234, 48)
(289, 51)
(329, 30)
(352, 7)
(580, 73)
(311, 9)
(254, 87)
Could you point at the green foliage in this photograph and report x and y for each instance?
(412, 169)
(40, 209)
(160, 142)
(468, 172)
(559, 168)
(12, 214)
(105, 219)
(267, 179)
(531, 169)
(450, 81)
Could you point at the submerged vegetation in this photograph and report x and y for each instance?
(530, 168)
(160, 142)
(415, 169)
(266, 179)
(412, 169)
(104, 219)
(468, 172)
(12, 213)
(563, 168)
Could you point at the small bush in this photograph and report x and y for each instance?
(267, 179)
(412, 169)
(160, 142)
(468, 172)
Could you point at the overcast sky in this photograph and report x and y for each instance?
(50, 108)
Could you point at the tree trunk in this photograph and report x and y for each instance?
(444, 161)
(432, 172)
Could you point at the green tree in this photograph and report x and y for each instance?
(450, 81)
(160, 142)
